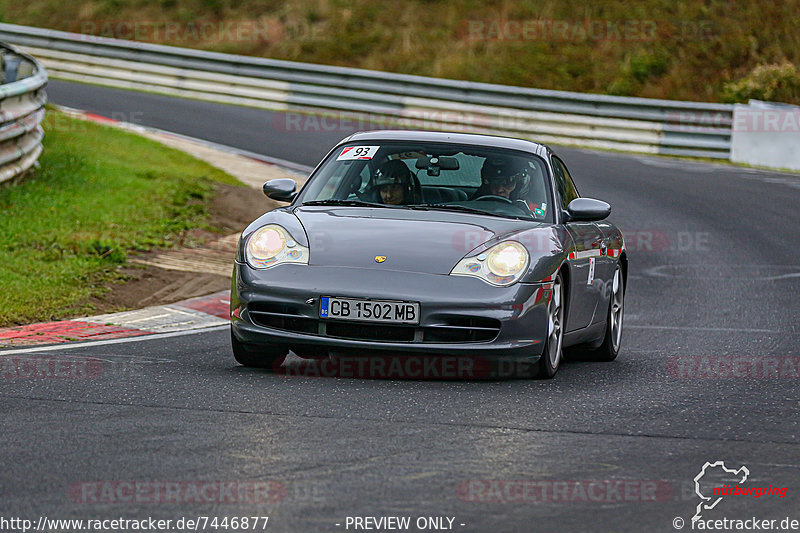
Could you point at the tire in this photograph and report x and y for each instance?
(255, 356)
(616, 307)
(553, 353)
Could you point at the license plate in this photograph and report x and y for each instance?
(369, 310)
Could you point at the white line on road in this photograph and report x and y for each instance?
(77, 345)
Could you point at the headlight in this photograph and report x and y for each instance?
(272, 245)
(503, 264)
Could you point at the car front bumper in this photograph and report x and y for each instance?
(459, 315)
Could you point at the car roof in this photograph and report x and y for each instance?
(475, 139)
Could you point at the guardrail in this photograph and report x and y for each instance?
(22, 100)
(365, 96)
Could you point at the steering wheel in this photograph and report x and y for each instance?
(488, 197)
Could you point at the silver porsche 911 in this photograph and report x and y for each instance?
(434, 244)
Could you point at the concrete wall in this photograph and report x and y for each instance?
(766, 134)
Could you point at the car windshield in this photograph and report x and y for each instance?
(437, 176)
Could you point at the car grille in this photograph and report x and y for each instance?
(370, 332)
(450, 329)
(462, 329)
(283, 317)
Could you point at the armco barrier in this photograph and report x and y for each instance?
(22, 99)
(630, 124)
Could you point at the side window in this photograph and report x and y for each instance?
(566, 187)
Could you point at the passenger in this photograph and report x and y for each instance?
(395, 184)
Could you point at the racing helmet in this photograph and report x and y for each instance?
(506, 169)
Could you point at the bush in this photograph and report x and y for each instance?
(774, 83)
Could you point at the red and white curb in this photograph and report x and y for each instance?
(181, 318)
(193, 314)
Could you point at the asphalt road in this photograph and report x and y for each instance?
(715, 274)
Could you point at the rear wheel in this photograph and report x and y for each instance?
(256, 356)
(552, 355)
(610, 348)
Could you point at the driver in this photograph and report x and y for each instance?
(502, 177)
(395, 183)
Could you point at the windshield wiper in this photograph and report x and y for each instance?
(464, 209)
(354, 203)
(419, 207)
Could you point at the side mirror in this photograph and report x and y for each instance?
(283, 189)
(587, 209)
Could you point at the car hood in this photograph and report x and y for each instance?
(410, 240)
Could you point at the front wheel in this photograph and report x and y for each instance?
(255, 356)
(552, 355)
(610, 348)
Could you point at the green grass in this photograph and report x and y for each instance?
(99, 194)
(704, 50)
